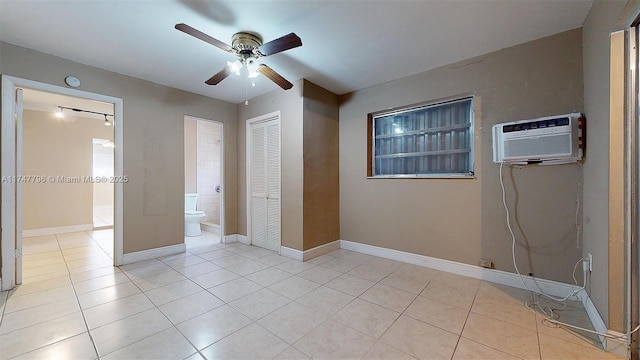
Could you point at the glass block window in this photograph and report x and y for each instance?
(434, 140)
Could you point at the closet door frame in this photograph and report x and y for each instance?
(249, 191)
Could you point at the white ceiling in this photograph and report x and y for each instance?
(347, 44)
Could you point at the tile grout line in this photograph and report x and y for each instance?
(84, 319)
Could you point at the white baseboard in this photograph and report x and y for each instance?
(309, 253)
(496, 276)
(320, 250)
(153, 253)
(594, 317)
(242, 239)
(56, 230)
(228, 239)
(615, 346)
(291, 253)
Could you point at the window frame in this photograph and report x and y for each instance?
(371, 117)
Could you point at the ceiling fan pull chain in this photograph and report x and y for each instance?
(246, 100)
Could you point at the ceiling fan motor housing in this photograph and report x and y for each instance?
(246, 45)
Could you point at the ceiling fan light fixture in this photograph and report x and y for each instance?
(235, 66)
(252, 69)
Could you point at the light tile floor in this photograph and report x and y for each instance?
(235, 301)
(102, 216)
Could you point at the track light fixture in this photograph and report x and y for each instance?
(60, 114)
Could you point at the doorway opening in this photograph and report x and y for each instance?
(204, 188)
(102, 190)
(51, 202)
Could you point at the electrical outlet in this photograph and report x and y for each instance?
(590, 262)
(486, 264)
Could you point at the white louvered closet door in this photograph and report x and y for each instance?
(265, 184)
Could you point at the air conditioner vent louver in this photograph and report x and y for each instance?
(548, 140)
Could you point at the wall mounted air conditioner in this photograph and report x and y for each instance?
(547, 140)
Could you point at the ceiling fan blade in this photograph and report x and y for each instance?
(202, 36)
(221, 75)
(286, 42)
(275, 77)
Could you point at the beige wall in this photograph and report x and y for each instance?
(59, 147)
(190, 156)
(596, 49)
(153, 142)
(321, 208)
(289, 103)
(309, 146)
(463, 220)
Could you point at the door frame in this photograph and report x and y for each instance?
(222, 182)
(8, 190)
(255, 120)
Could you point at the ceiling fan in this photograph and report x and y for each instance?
(248, 47)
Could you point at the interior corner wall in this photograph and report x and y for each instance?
(289, 103)
(321, 215)
(596, 57)
(463, 219)
(153, 142)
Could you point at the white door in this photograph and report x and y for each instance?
(264, 183)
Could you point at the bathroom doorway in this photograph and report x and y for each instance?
(203, 164)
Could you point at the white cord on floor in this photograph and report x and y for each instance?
(549, 317)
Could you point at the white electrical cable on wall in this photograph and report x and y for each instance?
(549, 317)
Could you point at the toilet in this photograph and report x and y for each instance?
(192, 217)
